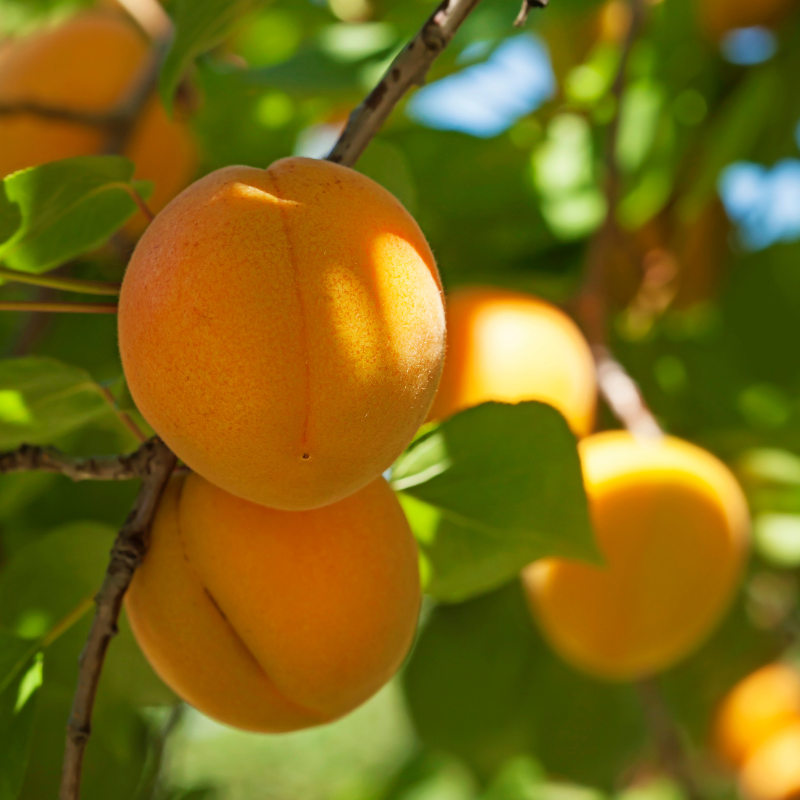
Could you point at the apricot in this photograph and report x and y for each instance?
(756, 708)
(283, 330)
(510, 346)
(273, 620)
(88, 64)
(773, 771)
(720, 16)
(672, 525)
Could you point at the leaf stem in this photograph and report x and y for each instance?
(49, 308)
(140, 201)
(124, 418)
(68, 621)
(65, 284)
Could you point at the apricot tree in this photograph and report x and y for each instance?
(350, 392)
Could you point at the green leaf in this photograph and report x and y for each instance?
(484, 686)
(490, 490)
(41, 399)
(20, 680)
(199, 26)
(10, 215)
(734, 134)
(62, 209)
(50, 584)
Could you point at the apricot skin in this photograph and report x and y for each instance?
(756, 708)
(772, 772)
(88, 64)
(272, 620)
(283, 330)
(672, 525)
(509, 346)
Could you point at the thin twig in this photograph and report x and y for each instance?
(119, 121)
(30, 458)
(622, 394)
(591, 302)
(150, 17)
(123, 417)
(126, 555)
(527, 7)
(620, 390)
(95, 119)
(50, 308)
(56, 282)
(666, 736)
(129, 110)
(617, 387)
(408, 69)
(140, 202)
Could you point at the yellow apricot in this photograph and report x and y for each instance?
(756, 708)
(672, 525)
(720, 16)
(273, 620)
(88, 64)
(283, 330)
(509, 346)
(773, 771)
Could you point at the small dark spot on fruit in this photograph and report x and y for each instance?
(306, 455)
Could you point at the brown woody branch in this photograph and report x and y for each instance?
(527, 7)
(618, 389)
(126, 555)
(29, 458)
(58, 307)
(621, 392)
(667, 738)
(622, 395)
(154, 462)
(407, 70)
(118, 123)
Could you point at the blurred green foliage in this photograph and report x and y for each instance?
(483, 710)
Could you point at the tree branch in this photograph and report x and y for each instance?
(126, 555)
(29, 458)
(408, 69)
(620, 390)
(57, 282)
(118, 122)
(617, 387)
(58, 308)
(527, 7)
(122, 416)
(622, 395)
(666, 736)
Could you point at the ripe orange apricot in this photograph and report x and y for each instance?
(773, 771)
(755, 709)
(510, 346)
(88, 64)
(672, 524)
(283, 330)
(273, 620)
(721, 16)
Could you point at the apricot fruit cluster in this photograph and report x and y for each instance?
(757, 732)
(283, 331)
(670, 519)
(88, 64)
